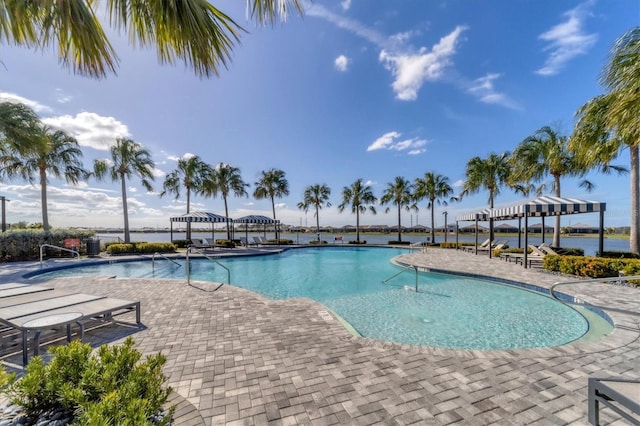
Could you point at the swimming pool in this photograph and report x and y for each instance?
(447, 311)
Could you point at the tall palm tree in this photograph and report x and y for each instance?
(128, 159)
(608, 123)
(435, 188)
(195, 31)
(19, 128)
(491, 174)
(271, 184)
(543, 153)
(190, 174)
(225, 180)
(316, 195)
(57, 155)
(358, 196)
(399, 194)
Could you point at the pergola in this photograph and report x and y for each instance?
(254, 219)
(550, 206)
(479, 216)
(200, 217)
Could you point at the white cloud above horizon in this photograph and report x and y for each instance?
(34, 105)
(90, 129)
(567, 40)
(390, 141)
(483, 88)
(341, 63)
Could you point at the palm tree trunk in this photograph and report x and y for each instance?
(273, 209)
(399, 232)
(125, 209)
(226, 214)
(317, 222)
(43, 197)
(556, 228)
(188, 207)
(433, 225)
(634, 233)
(358, 226)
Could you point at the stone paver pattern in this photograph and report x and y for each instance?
(242, 359)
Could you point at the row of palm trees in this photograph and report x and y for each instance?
(606, 125)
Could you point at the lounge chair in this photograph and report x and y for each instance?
(483, 245)
(199, 244)
(620, 395)
(546, 249)
(243, 242)
(48, 308)
(497, 246)
(257, 240)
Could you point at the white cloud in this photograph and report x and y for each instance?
(412, 70)
(459, 183)
(483, 88)
(342, 63)
(346, 4)
(12, 97)
(389, 141)
(281, 205)
(62, 98)
(90, 129)
(566, 40)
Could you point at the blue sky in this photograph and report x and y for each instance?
(348, 91)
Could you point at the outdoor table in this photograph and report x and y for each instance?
(48, 321)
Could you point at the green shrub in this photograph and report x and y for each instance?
(24, 244)
(398, 243)
(181, 243)
(592, 267)
(107, 388)
(569, 251)
(225, 243)
(316, 242)
(619, 255)
(140, 248)
(450, 245)
(358, 242)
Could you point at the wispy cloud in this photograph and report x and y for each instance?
(345, 4)
(567, 40)
(342, 63)
(412, 70)
(90, 129)
(62, 98)
(392, 141)
(483, 88)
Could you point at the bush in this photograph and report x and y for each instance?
(569, 251)
(358, 242)
(592, 267)
(181, 243)
(24, 244)
(109, 387)
(316, 242)
(449, 245)
(140, 248)
(619, 255)
(225, 243)
(398, 243)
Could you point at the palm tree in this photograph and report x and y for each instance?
(271, 184)
(19, 128)
(57, 155)
(398, 193)
(195, 31)
(608, 123)
(316, 195)
(435, 188)
(128, 159)
(490, 174)
(191, 173)
(358, 196)
(225, 179)
(546, 152)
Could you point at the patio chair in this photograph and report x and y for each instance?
(198, 243)
(546, 249)
(257, 240)
(483, 245)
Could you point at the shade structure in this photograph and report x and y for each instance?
(551, 206)
(200, 217)
(254, 219)
(480, 215)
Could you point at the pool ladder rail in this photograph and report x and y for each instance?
(42, 246)
(156, 254)
(210, 258)
(405, 269)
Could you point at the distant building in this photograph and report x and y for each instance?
(581, 228)
(537, 228)
(504, 228)
(472, 229)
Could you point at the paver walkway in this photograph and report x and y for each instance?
(240, 358)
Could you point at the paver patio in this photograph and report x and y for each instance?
(240, 358)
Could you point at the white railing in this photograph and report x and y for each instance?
(42, 246)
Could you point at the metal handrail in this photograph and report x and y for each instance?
(153, 259)
(59, 248)
(580, 302)
(212, 259)
(406, 268)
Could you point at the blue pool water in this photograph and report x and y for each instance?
(447, 311)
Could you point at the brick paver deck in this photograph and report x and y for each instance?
(242, 359)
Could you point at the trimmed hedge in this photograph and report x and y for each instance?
(138, 248)
(358, 242)
(24, 244)
(619, 255)
(398, 243)
(592, 267)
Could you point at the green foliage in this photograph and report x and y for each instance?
(139, 248)
(450, 245)
(358, 242)
(225, 243)
(6, 379)
(569, 251)
(181, 243)
(24, 244)
(107, 388)
(281, 241)
(620, 255)
(398, 243)
(592, 267)
(316, 242)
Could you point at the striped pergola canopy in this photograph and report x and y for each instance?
(547, 206)
(482, 215)
(255, 219)
(201, 217)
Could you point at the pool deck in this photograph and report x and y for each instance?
(242, 359)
